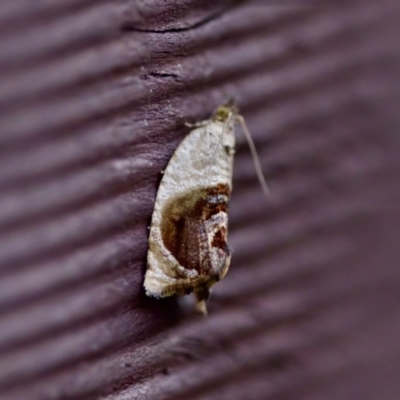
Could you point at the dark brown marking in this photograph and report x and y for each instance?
(212, 201)
(219, 240)
(183, 227)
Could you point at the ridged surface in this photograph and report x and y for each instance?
(93, 100)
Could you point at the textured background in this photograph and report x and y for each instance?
(93, 100)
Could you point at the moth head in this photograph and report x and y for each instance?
(224, 112)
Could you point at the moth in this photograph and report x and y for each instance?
(188, 248)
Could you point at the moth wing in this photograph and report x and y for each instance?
(190, 173)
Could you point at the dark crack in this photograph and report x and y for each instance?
(162, 75)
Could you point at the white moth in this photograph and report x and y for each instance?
(188, 249)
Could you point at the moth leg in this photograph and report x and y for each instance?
(201, 298)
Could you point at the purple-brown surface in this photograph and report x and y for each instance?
(94, 97)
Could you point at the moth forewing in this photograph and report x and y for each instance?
(188, 250)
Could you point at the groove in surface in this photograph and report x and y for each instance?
(94, 99)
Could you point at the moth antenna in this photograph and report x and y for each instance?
(256, 160)
(219, 142)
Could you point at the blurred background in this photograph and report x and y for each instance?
(94, 96)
